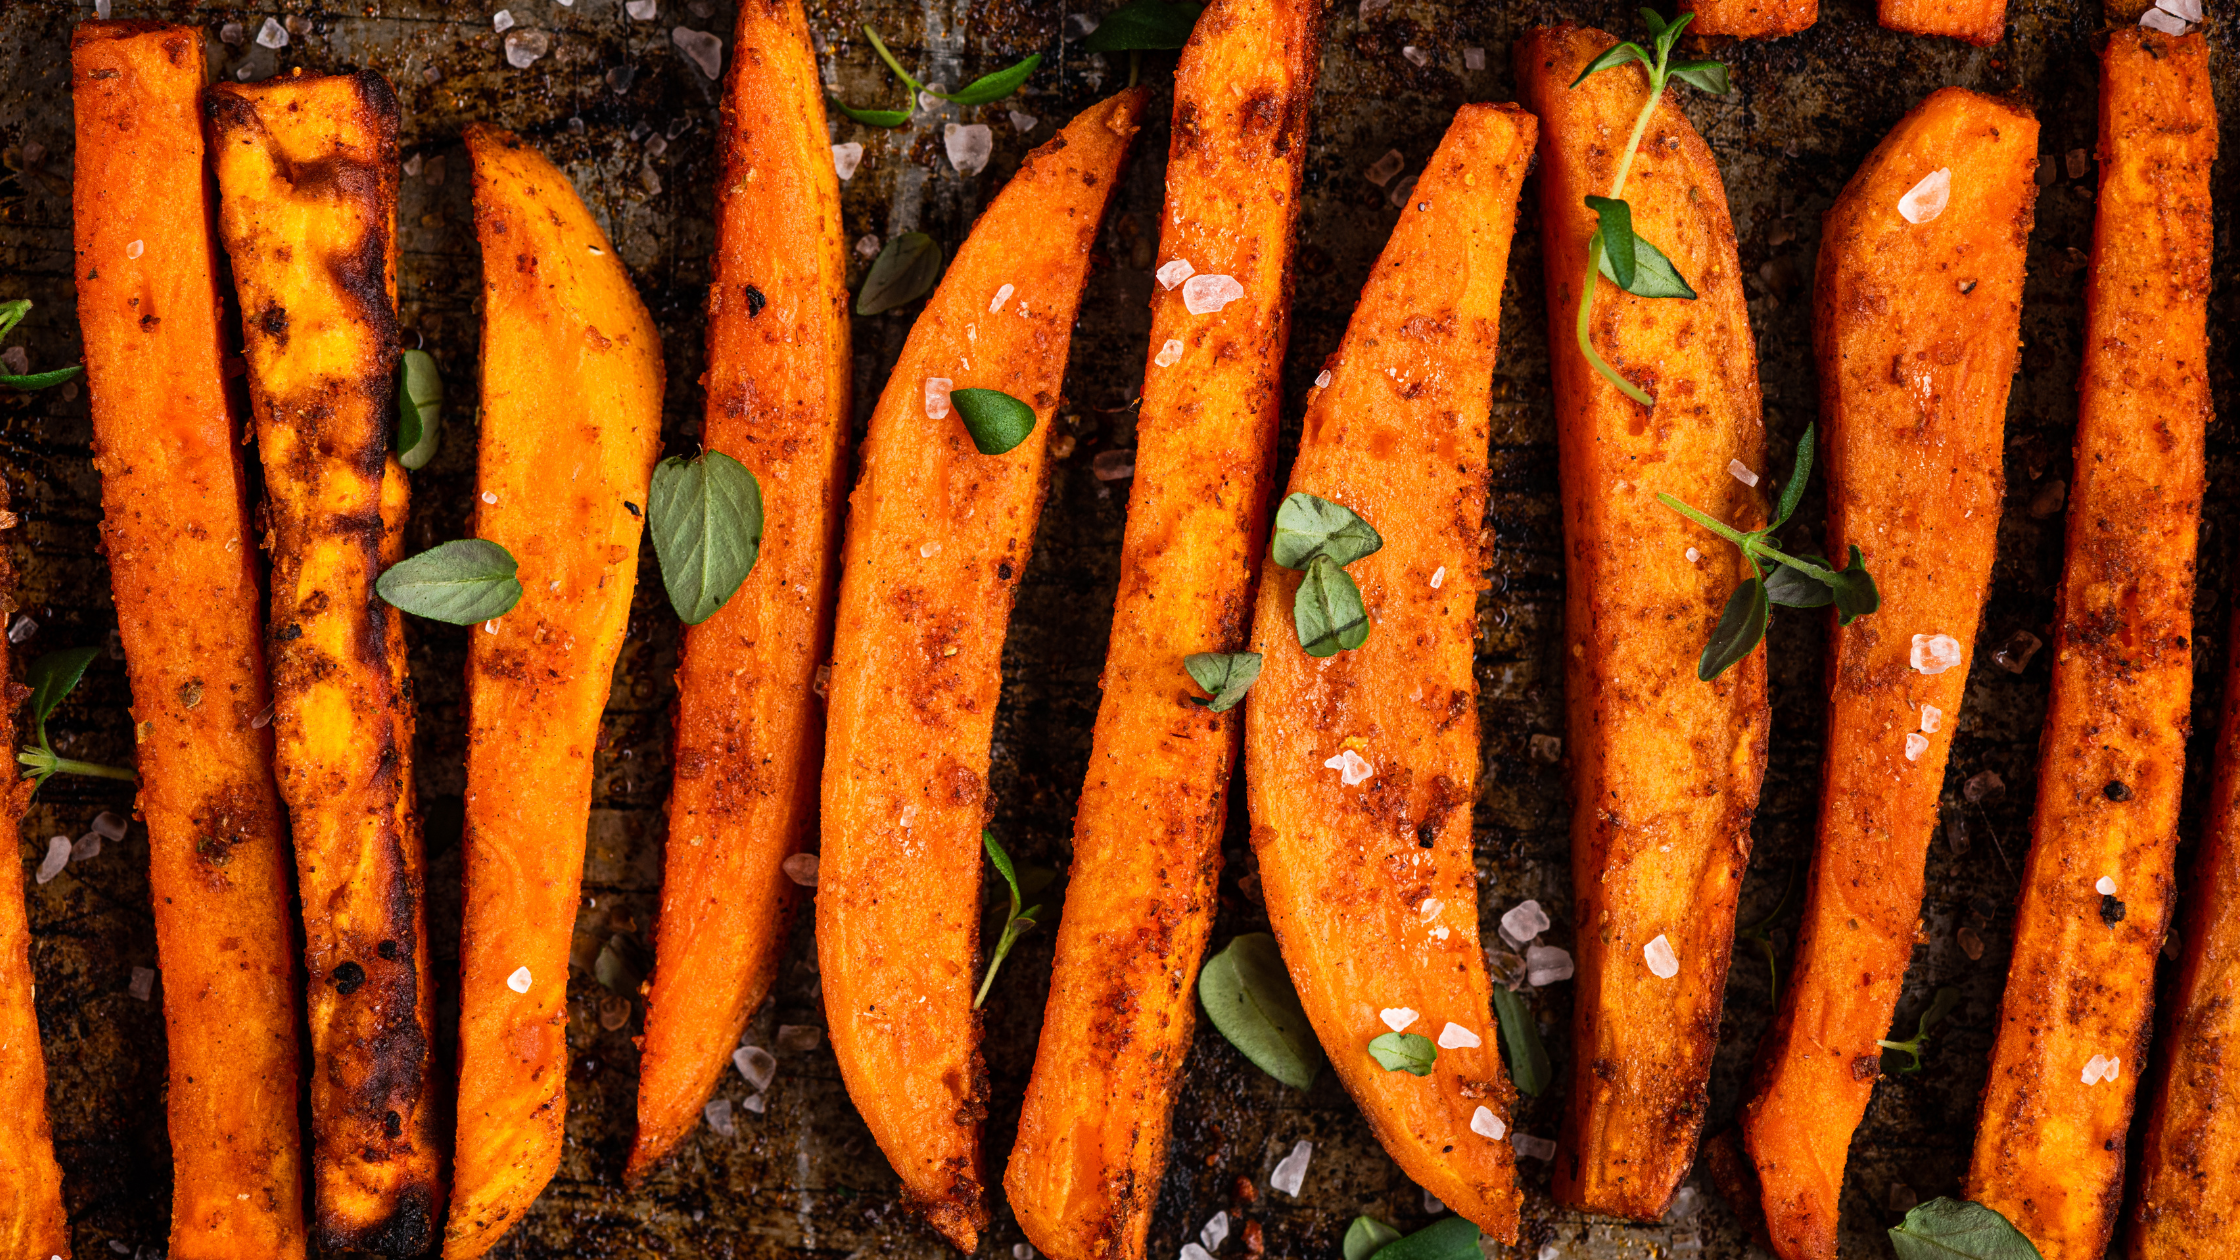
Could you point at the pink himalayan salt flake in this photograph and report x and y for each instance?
(1935, 653)
(1291, 1171)
(1439, 577)
(756, 1065)
(937, 397)
(969, 146)
(754, 1103)
(1663, 963)
(1113, 465)
(1174, 273)
(2100, 1068)
(801, 868)
(1381, 171)
(1353, 770)
(1524, 922)
(519, 981)
(109, 825)
(640, 10)
(719, 1118)
(701, 48)
(1932, 717)
(1546, 964)
(2190, 10)
(1323, 381)
(2167, 23)
(58, 856)
(845, 159)
(2106, 887)
(799, 1038)
(1486, 1124)
(1022, 123)
(1741, 472)
(1204, 295)
(1415, 55)
(1455, 1036)
(1926, 200)
(1003, 294)
(502, 21)
(1475, 59)
(143, 983)
(1169, 354)
(1532, 1147)
(1915, 746)
(1397, 1018)
(523, 48)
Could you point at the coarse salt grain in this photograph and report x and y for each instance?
(519, 980)
(1935, 653)
(718, 1115)
(2100, 1068)
(109, 825)
(1432, 1203)
(1694, 555)
(1915, 746)
(1486, 1124)
(1291, 1171)
(1192, 1251)
(1397, 1018)
(845, 159)
(1415, 54)
(1215, 1232)
(1431, 907)
(929, 550)
(1439, 577)
(1926, 200)
(490, 626)
(642, 10)
(2190, 10)
(143, 983)
(1174, 273)
(754, 1103)
(937, 397)
(272, 34)
(801, 868)
(489, 496)
(1546, 964)
(1022, 1251)
(23, 627)
(1663, 963)
(1473, 58)
(1352, 769)
(1003, 294)
(756, 1065)
(2106, 887)
(1532, 1147)
(1548, 748)
(1932, 717)
(701, 48)
(86, 848)
(502, 20)
(1454, 1036)
(867, 245)
(1204, 295)
(1523, 922)
(1323, 381)
(1381, 171)
(58, 856)
(1022, 123)
(1169, 354)
(969, 146)
(799, 1038)
(1741, 472)
(2159, 20)
(1113, 465)
(135, 249)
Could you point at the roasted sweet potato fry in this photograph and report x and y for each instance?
(182, 562)
(1751, 19)
(1360, 768)
(1665, 768)
(2096, 889)
(749, 724)
(1916, 325)
(1147, 835)
(1979, 22)
(307, 176)
(571, 423)
(938, 536)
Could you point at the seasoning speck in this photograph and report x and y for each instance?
(1663, 963)
(2111, 911)
(519, 980)
(1397, 1018)
(1486, 1124)
(1353, 770)
(1926, 200)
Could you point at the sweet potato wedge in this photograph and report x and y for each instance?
(1147, 834)
(571, 423)
(1978, 22)
(1370, 883)
(1917, 326)
(938, 536)
(182, 564)
(307, 176)
(2096, 889)
(749, 724)
(1751, 19)
(1665, 768)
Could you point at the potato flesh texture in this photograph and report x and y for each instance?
(1751, 19)
(937, 538)
(1916, 328)
(1665, 768)
(749, 722)
(313, 267)
(2049, 1149)
(182, 558)
(1147, 835)
(1371, 888)
(1978, 22)
(571, 422)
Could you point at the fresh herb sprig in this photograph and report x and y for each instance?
(11, 314)
(1615, 251)
(906, 270)
(1249, 999)
(1777, 577)
(53, 677)
(1761, 934)
(1321, 538)
(1016, 922)
(1953, 1229)
(1939, 1006)
(1448, 1238)
(981, 91)
(1144, 25)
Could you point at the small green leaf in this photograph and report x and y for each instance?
(1855, 592)
(1412, 1053)
(53, 677)
(1794, 588)
(12, 313)
(1016, 922)
(706, 517)
(1951, 1229)
(1307, 527)
(1520, 1042)
(996, 420)
(1450, 1238)
(1365, 1235)
(1939, 1006)
(1616, 235)
(1654, 276)
(621, 965)
(1703, 76)
(1002, 862)
(889, 118)
(1225, 675)
(993, 87)
(1327, 611)
(1248, 997)
(1740, 628)
(419, 408)
(39, 380)
(1665, 33)
(1617, 55)
(1792, 490)
(463, 581)
(1144, 26)
(906, 270)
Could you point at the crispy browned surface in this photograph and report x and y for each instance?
(749, 724)
(1371, 887)
(182, 560)
(1092, 1142)
(938, 535)
(571, 422)
(2049, 1148)
(307, 169)
(1979, 22)
(1751, 19)
(1665, 768)
(1916, 329)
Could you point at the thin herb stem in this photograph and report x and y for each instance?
(880, 47)
(995, 960)
(1735, 536)
(1751, 544)
(44, 762)
(1594, 248)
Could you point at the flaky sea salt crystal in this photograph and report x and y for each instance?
(1531, 1147)
(1694, 555)
(1932, 717)
(1432, 1203)
(519, 981)
(1113, 465)
(702, 48)
(2106, 887)
(1215, 1232)
(799, 1038)
(2159, 20)
(1454, 1036)
(1204, 295)
(86, 848)
(937, 397)
(2190, 10)
(1926, 200)
(1381, 171)
(1397, 1018)
(1022, 123)
(1741, 472)
(2100, 1068)
(108, 824)
(754, 1103)
(1473, 58)
(1935, 653)
(1003, 294)
(143, 983)
(22, 628)
(928, 551)
(502, 21)
(1523, 922)
(1353, 770)
(1916, 745)
(1022, 1251)
(58, 856)
(867, 245)
(1192, 1251)
(968, 145)
(641, 10)
(2014, 653)
(845, 159)
(1169, 354)
(1663, 963)
(523, 48)
(1081, 25)
(1546, 964)
(1486, 1124)
(1415, 55)
(756, 1065)
(1291, 1171)
(1439, 577)
(272, 34)
(232, 34)
(1174, 273)
(1322, 381)
(1984, 785)
(718, 1115)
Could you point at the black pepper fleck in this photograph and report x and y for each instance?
(288, 635)
(392, 1124)
(755, 301)
(2117, 790)
(347, 978)
(2111, 910)
(1003, 572)
(633, 508)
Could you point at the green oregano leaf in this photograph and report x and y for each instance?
(997, 421)
(993, 87)
(1520, 1042)
(1365, 1236)
(1247, 996)
(1449, 1238)
(889, 118)
(1327, 611)
(1144, 26)
(462, 582)
(1855, 592)
(1703, 76)
(1666, 34)
(1952, 1229)
(1617, 55)
(1616, 235)
(53, 677)
(706, 517)
(419, 408)
(1654, 276)
(39, 380)
(1792, 490)
(1740, 628)
(1794, 588)
(1412, 1053)
(1307, 527)
(906, 270)
(1225, 675)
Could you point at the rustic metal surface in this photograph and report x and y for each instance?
(632, 122)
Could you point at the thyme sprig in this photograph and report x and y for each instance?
(981, 91)
(53, 677)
